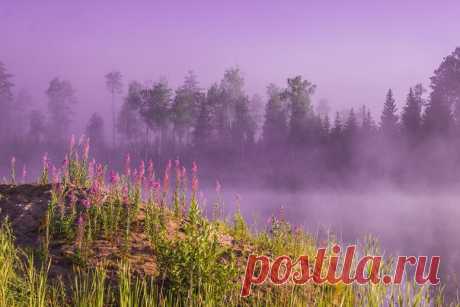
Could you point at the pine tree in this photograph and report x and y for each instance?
(411, 117)
(445, 96)
(326, 127)
(367, 122)
(389, 118)
(336, 131)
(274, 130)
(351, 125)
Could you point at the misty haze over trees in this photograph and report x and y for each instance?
(286, 143)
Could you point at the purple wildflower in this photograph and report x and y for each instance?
(91, 167)
(114, 178)
(55, 175)
(72, 143)
(128, 166)
(141, 172)
(24, 173)
(86, 150)
(45, 162)
(86, 203)
(125, 193)
(150, 170)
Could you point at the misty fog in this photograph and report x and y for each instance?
(352, 140)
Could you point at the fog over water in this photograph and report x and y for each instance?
(419, 223)
(302, 106)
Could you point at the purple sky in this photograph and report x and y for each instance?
(353, 50)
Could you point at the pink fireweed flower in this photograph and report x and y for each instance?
(81, 220)
(95, 188)
(100, 172)
(13, 162)
(194, 177)
(218, 187)
(141, 173)
(194, 184)
(166, 177)
(55, 175)
(169, 165)
(114, 178)
(81, 140)
(155, 188)
(125, 194)
(45, 161)
(72, 143)
(128, 166)
(91, 166)
(178, 172)
(135, 174)
(73, 199)
(166, 182)
(177, 165)
(183, 177)
(150, 170)
(155, 185)
(65, 166)
(65, 163)
(86, 150)
(81, 223)
(86, 203)
(194, 167)
(24, 173)
(270, 219)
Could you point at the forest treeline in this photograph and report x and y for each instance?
(282, 141)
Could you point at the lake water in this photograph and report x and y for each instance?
(420, 224)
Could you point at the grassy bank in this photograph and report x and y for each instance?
(140, 238)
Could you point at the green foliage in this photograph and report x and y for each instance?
(89, 288)
(240, 229)
(199, 262)
(194, 259)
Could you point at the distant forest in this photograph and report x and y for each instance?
(282, 142)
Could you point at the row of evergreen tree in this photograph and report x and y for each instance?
(224, 120)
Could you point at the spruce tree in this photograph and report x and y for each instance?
(411, 117)
(389, 118)
(445, 96)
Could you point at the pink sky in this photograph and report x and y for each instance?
(353, 50)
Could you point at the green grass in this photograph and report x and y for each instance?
(199, 262)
